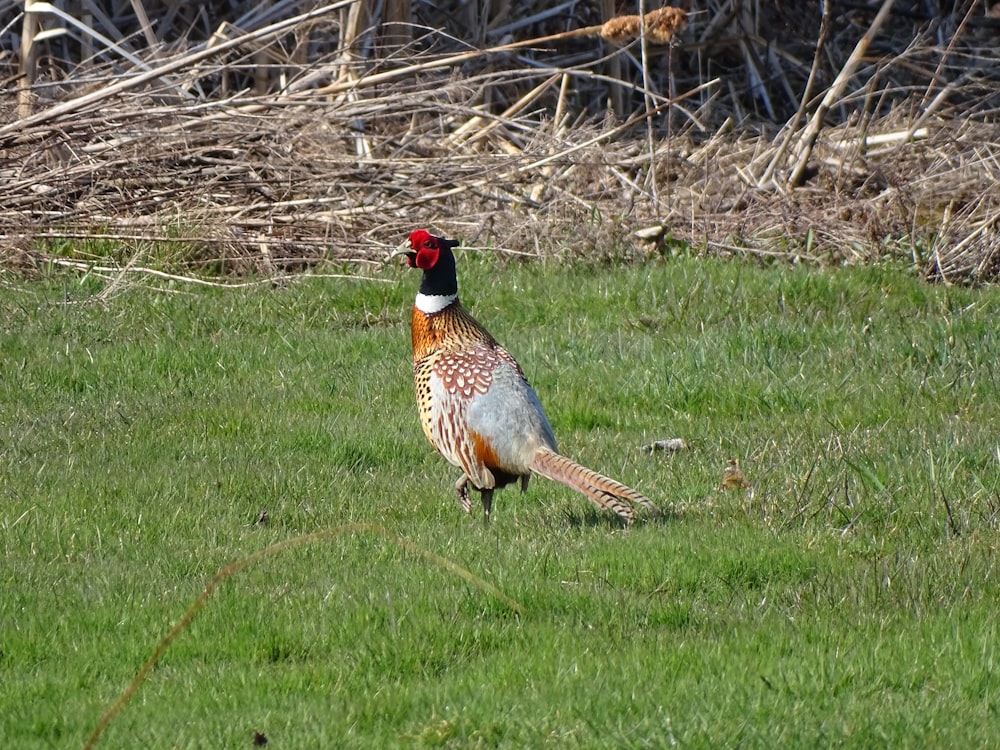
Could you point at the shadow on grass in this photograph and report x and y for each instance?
(591, 517)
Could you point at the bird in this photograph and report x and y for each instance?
(475, 404)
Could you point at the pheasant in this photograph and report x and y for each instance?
(476, 407)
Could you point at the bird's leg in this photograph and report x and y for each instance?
(524, 482)
(487, 496)
(462, 489)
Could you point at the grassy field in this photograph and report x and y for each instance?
(848, 596)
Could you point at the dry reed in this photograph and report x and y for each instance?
(292, 137)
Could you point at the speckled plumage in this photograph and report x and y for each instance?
(476, 407)
(456, 364)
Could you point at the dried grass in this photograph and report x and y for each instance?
(293, 137)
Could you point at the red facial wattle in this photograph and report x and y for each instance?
(426, 249)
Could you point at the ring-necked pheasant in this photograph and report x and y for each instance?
(476, 407)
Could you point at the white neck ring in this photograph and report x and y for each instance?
(434, 303)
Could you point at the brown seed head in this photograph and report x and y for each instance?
(621, 29)
(661, 26)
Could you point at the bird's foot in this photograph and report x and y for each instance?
(462, 490)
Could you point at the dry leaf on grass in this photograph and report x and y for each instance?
(733, 477)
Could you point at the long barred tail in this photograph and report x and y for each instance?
(603, 492)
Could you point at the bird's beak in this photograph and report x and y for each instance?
(402, 249)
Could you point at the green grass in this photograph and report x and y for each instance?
(848, 597)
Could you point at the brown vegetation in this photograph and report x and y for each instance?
(269, 136)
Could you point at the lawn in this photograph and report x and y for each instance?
(846, 596)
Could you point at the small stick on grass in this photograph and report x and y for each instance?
(951, 518)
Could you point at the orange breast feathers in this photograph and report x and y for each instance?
(451, 329)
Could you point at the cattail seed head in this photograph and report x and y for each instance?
(661, 26)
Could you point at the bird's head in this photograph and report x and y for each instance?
(423, 250)
(434, 256)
